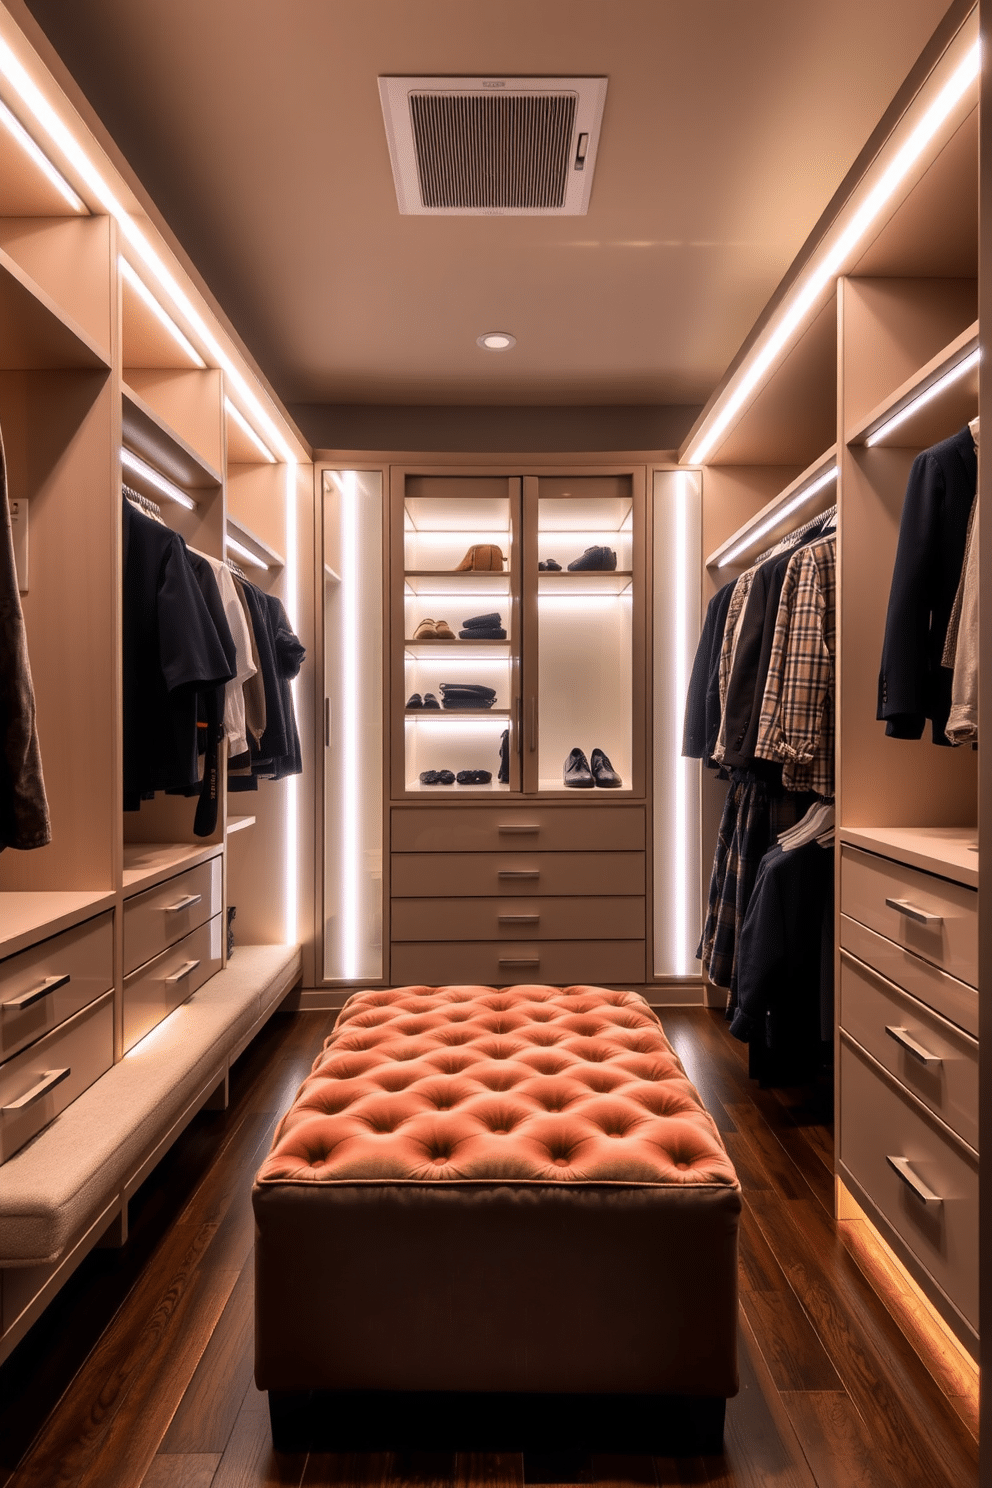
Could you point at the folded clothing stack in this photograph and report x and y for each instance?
(466, 695)
(483, 628)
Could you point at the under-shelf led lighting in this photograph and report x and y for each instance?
(162, 316)
(245, 553)
(935, 388)
(147, 472)
(750, 539)
(16, 129)
(810, 288)
(246, 428)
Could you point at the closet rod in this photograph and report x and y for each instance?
(783, 505)
(934, 390)
(144, 502)
(161, 483)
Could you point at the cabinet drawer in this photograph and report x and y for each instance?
(928, 1055)
(41, 987)
(505, 875)
(880, 1122)
(953, 999)
(43, 1079)
(161, 916)
(151, 993)
(931, 916)
(560, 962)
(578, 918)
(544, 828)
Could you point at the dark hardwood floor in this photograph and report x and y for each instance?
(139, 1375)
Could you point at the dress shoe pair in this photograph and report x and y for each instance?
(549, 565)
(437, 777)
(433, 630)
(415, 701)
(594, 560)
(448, 777)
(583, 774)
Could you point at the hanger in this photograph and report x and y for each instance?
(144, 504)
(818, 526)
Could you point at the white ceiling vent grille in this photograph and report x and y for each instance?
(484, 147)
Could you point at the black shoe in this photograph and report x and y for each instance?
(577, 772)
(445, 777)
(474, 777)
(550, 565)
(430, 701)
(603, 772)
(429, 777)
(504, 758)
(414, 701)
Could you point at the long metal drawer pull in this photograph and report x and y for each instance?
(519, 919)
(905, 1172)
(519, 873)
(186, 902)
(36, 994)
(48, 1082)
(519, 960)
(919, 916)
(903, 1037)
(518, 827)
(183, 971)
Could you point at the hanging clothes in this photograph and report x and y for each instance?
(913, 685)
(24, 818)
(961, 646)
(276, 753)
(702, 712)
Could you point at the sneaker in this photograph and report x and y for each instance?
(576, 771)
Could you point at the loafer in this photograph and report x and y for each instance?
(430, 701)
(425, 631)
(414, 701)
(474, 777)
(603, 772)
(576, 771)
(443, 631)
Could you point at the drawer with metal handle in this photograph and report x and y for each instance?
(161, 916)
(919, 1176)
(505, 874)
(40, 1081)
(155, 990)
(934, 1060)
(930, 916)
(582, 917)
(546, 828)
(561, 962)
(49, 982)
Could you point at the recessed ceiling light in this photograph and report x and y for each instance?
(496, 341)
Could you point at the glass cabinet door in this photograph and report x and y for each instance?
(461, 635)
(580, 703)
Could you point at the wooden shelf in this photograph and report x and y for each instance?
(150, 436)
(27, 916)
(587, 581)
(146, 341)
(938, 418)
(252, 541)
(35, 334)
(481, 650)
(456, 713)
(777, 518)
(239, 823)
(952, 852)
(149, 863)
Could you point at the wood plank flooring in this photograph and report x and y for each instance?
(140, 1373)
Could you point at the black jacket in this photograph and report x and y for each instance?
(912, 684)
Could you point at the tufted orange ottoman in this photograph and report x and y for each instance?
(515, 1193)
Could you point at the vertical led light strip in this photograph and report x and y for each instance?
(291, 867)
(680, 684)
(351, 867)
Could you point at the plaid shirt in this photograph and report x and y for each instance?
(797, 710)
(735, 614)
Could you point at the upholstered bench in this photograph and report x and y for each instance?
(514, 1192)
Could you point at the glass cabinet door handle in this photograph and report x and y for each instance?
(36, 994)
(532, 724)
(905, 1039)
(919, 916)
(183, 971)
(919, 1188)
(186, 902)
(48, 1082)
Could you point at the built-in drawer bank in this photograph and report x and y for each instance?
(155, 990)
(561, 962)
(954, 1000)
(932, 1058)
(919, 1176)
(43, 986)
(512, 874)
(161, 916)
(930, 916)
(546, 828)
(40, 1081)
(580, 917)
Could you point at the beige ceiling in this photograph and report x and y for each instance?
(256, 127)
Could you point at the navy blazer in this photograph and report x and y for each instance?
(912, 684)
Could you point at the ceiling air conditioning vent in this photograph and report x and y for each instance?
(486, 147)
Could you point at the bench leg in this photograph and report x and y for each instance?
(290, 1418)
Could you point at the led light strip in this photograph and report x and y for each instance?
(246, 428)
(245, 553)
(750, 539)
(808, 291)
(147, 298)
(351, 712)
(681, 662)
(935, 388)
(15, 128)
(134, 463)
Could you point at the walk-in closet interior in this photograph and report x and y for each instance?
(331, 663)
